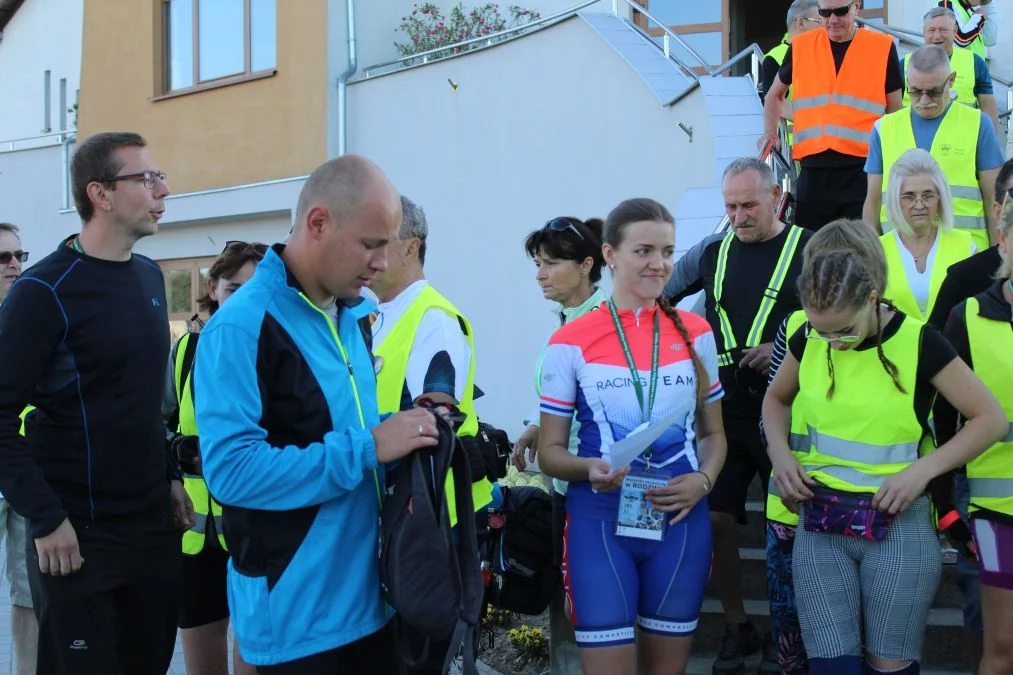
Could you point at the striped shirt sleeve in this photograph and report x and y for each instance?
(558, 379)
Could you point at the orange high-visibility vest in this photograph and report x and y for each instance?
(836, 111)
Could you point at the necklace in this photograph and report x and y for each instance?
(921, 256)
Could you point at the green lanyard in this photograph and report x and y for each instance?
(75, 244)
(634, 373)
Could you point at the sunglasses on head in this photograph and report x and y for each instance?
(837, 11)
(7, 256)
(242, 246)
(562, 225)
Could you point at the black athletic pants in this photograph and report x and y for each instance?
(828, 193)
(372, 655)
(117, 615)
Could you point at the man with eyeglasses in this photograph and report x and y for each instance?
(843, 79)
(960, 138)
(972, 84)
(24, 627)
(748, 277)
(84, 337)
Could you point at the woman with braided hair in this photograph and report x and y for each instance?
(866, 556)
(637, 539)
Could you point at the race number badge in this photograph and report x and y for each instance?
(637, 516)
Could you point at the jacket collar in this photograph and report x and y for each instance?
(569, 313)
(992, 304)
(275, 264)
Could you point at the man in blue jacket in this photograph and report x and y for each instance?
(291, 440)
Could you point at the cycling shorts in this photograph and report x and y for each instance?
(615, 583)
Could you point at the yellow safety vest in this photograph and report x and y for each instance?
(778, 53)
(955, 147)
(798, 439)
(961, 63)
(990, 474)
(777, 277)
(977, 46)
(203, 504)
(952, 247)
(868, 431)
(395, 350)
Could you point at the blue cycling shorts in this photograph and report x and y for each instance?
(615, 583)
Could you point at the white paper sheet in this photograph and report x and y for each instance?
(622, 453)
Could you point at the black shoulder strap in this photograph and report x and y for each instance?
(472, 587)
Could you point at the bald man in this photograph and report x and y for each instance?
(291, 439)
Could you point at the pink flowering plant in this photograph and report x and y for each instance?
(427, 28)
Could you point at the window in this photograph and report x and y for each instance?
(208, 41)
(185, 281)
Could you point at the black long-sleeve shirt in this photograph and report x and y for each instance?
(85, 341)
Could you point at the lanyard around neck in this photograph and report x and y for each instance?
(634, 373)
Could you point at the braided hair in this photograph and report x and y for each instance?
(702, 379)
(842, 280)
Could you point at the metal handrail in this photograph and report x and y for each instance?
(54, 135)
(667, 36)
(902, 34)
(452, 48)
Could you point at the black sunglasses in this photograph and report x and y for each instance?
(562, 225)
(241, 246)
(7, 256)
(837, 11)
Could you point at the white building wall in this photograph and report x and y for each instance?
(30, 197)
(43, 35)
(555, 123)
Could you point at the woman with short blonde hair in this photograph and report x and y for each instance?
(920, 242)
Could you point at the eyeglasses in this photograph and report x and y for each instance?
(149, 178)
(809, 19)
(814, 334)
(926, 198)
(837, 11)
(916, 94)
(237, 246)
(7, 256)
(562, 225)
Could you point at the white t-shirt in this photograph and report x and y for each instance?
(920, 282)
(440, 357)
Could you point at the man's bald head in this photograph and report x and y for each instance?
(342, 185)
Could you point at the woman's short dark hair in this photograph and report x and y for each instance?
(576, 243)
(227, 264)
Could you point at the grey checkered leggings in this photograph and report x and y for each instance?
(843, 584)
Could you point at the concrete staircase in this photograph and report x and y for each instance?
(948, 646)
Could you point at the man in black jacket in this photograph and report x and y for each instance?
(84, 337)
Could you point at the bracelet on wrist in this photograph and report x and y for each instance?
(707, 485)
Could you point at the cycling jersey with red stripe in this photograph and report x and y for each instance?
(585, 372)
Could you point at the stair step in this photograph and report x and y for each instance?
(701, 665)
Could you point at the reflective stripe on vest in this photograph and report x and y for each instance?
(395, 351)
(955, 147)
(868, 430)
(777, 278)
(798, 438)
(951, 247)
(836, 110)
(196, 489)
(975, 46)
(961, 63)
(990, 474)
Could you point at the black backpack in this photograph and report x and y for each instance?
(433, 584)
(525, 574)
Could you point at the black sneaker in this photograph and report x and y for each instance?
(739, 641)
(769, 664)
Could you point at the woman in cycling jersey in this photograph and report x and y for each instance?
(637, 536)
(866, 560)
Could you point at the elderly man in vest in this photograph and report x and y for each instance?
(977, 24)
(961, 139)
(972, 84)
(424, 348)
(844, 78)
(802, 18)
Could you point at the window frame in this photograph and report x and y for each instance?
(165, 50)
(194, 266)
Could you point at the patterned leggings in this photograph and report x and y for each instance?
(791, 656)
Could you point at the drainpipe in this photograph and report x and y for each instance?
(68, 138)
(353, 65)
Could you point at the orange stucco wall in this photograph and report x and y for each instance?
(247, 132)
